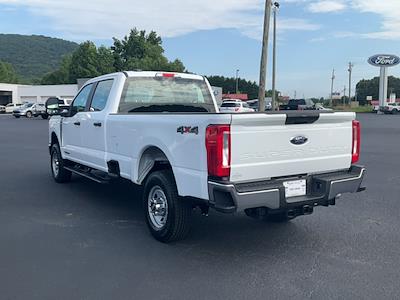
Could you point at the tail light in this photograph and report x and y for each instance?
(218, 144)
(237, 109)
(356, 142)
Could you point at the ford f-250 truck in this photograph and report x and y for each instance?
(164, 131)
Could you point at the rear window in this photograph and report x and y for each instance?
(297, 102)
(230, 104)
(162, 94)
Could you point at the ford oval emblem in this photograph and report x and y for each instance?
(384, 60)
(299, 140)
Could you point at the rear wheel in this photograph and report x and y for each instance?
(17, 117)
(395, 111)
(29, 114)
(45, 116)
(168, 216)
(60, 174)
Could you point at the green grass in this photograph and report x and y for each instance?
(360, 109)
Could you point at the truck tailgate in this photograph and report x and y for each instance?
(264, 145)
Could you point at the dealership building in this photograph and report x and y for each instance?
(18, 93)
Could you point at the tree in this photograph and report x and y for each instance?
(105, 60)
(136, 51)
(371, 88)
(60, 76)
(142, 51)
(229, 86)
(7, 73)
(84, 62)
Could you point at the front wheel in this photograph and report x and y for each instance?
(395, 111)
(45, 116)
(60, 174)
(29, 114)
(168, 216)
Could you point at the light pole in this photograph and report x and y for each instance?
(333, 79)
(264, 56)
(351, 65)
(276, 7)
(237, 81)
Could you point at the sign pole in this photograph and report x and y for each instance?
(383, 87)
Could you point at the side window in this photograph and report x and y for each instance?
(79, 104)
(101, 94)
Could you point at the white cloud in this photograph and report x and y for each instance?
(326, 6)
(102, 19)
(389, 11)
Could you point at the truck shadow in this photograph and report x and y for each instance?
(217, 235)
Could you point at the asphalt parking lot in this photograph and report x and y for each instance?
(87, 241)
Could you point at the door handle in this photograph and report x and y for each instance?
(97, 124)
(77, 123)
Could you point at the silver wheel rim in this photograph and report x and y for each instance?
(157, 205)
(55, 164)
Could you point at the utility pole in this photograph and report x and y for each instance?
(333, 79)
(276, 7)
(237, 81)
(351, 65)
(344, 96)
(264, 57)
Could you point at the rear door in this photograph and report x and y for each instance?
(266, 146)
(72, 125)
(93, 126)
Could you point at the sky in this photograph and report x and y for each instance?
(218, 37)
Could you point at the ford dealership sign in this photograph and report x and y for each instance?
(383, 60)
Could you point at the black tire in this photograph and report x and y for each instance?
(60, 175)
(17, 117)
(29, 114)
(177, 215)
(395, 111)
(45, 116)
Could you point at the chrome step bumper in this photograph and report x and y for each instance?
(322, 190)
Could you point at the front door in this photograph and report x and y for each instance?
(72, 126)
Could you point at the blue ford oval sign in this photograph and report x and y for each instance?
(299, 140)
(384, 60)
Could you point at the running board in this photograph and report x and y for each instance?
(89, 175)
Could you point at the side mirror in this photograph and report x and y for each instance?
(53, 108)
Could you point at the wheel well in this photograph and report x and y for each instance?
(54, 139)
(152, 159)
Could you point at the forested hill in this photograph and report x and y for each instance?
(33, 56)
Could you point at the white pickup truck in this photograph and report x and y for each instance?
(164, 131)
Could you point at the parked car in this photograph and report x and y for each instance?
(298, 104)
(2, 109)
(30, 110)
(254, 105)
(321, 107)
(235, 106)
(163, 131)
(391, 108)
(10, 107)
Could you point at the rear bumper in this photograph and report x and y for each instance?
(322, 190)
